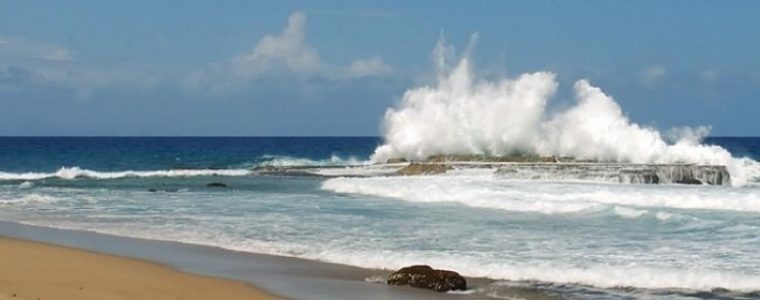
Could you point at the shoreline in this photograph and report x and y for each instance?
(35, 270)
(274, 276)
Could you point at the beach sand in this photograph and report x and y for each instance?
(30, 270)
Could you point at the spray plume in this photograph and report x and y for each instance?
(462, 114)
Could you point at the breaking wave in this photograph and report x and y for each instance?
(545, 197)
(240, 170)
(290, 161)
(462, 114)
(595, 274)
(599, 275)
(29, 199)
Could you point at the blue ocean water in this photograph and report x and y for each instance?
(45, 154)
(579, 239)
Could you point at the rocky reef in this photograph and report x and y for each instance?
(567, 168)
(620, 173)
(423, 169)
(521, 168)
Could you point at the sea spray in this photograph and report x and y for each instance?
(462, 114)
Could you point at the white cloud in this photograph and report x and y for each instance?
(709, 76)
(287, 49)
(58, 54)
(373, 66)
(653, 74)
(285, 56)
(13, 48)
(274, 59)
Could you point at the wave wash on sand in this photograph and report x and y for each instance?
(462, 114)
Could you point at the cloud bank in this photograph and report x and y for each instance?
(25, 49)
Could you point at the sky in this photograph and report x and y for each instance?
(332, 68)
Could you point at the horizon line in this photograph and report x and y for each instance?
(255, 136)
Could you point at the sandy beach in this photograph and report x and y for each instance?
(286, 277)
(30, 270)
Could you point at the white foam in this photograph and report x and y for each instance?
(76, 172)
(599, 275)
(523, 269)
(28, 199)
(26, 185)
(546, 197)
(373, 170)
(462, 114)
(629, 213)
(488, 265)
(290, 161)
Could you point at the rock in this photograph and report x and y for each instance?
(650, 179)
(688, 181)
(216, 185)
(423, 169)
(169, 190)
(395, 161)
(425, 277)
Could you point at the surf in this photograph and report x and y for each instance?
(461, 114)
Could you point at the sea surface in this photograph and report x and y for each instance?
(577, 239)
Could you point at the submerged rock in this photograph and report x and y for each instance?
(425, 277)
(216, 184)
(423, 169)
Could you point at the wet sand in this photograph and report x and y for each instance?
(287, 277)
(30, 270)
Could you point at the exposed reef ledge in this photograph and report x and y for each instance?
(621, 173)
(567, 168)
(522, 168)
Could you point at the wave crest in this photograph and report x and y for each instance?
(77, 172)
(290, 161)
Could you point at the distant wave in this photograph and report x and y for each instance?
(240, 170)
(77, 172)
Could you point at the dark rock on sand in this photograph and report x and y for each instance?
(216, 185)
(425, 277)
(423, 169)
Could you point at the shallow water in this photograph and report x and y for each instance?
(576, 238)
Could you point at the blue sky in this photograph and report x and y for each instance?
(332, 68)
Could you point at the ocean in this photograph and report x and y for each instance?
(575, 238)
